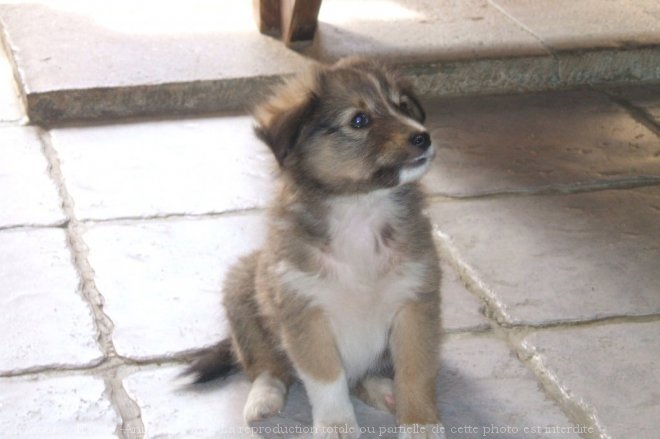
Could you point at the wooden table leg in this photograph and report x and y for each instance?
(268, 15)
(292, 20)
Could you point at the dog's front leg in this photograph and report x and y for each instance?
(414, 347)
(310, 342)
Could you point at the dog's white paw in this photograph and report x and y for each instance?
(337, 430)
(266, 398)
(422, 431)
(332, 411)
(378, 392)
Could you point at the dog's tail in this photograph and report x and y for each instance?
(215, 362)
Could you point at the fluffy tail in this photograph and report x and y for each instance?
(215, 362)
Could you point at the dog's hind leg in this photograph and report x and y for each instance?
(253, 344)
(376, 391)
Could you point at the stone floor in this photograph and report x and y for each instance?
(114, 239)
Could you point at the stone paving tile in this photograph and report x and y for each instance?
(120, 45)
(650, 7)
(10, 105)
(156, 168)
(45, 321)
(612, 369)
(586, 24)
(27, 194)
(516, 143)
(482, 385)
(425, 31)
(38, 407)
(136, 59)
(546, 259)
(161, 279)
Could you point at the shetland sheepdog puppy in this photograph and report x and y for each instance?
(344, 294)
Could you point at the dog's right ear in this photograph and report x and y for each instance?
(279, 124)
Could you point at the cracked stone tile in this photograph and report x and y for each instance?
(521, 143)
(27, 194)
(546, 259)
(156, 168)
(45, 321)
(481, 385)
(612, 369)
(587, 24)
(37, 407)
(11, 109)
(161, 280)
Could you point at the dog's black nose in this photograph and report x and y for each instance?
(421, 140)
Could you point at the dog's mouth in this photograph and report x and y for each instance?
(420, 160)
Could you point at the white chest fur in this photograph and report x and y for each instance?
(363, 281)
(357, 251)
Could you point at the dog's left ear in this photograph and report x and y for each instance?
(279, 126)
(410, 105)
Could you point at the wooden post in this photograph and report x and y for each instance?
(268, 15)
(299, 18)
(293, 20)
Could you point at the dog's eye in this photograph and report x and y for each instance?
(360, 120)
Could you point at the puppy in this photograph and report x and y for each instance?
(344, 295)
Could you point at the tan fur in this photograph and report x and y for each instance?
(346, 286)
(309, 342)
(415, 341)
(251, 338)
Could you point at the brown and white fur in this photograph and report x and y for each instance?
(344, 294)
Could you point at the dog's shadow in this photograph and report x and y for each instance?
(463, 402)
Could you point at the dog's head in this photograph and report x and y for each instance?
(351, 127)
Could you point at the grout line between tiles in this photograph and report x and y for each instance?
(120, 400)
(79, 251)
(576, 410)
(494, 310)
(58, 225)
(13, 123)
(174, 216)
(574, 407)
(109, 367)
(553, 189)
